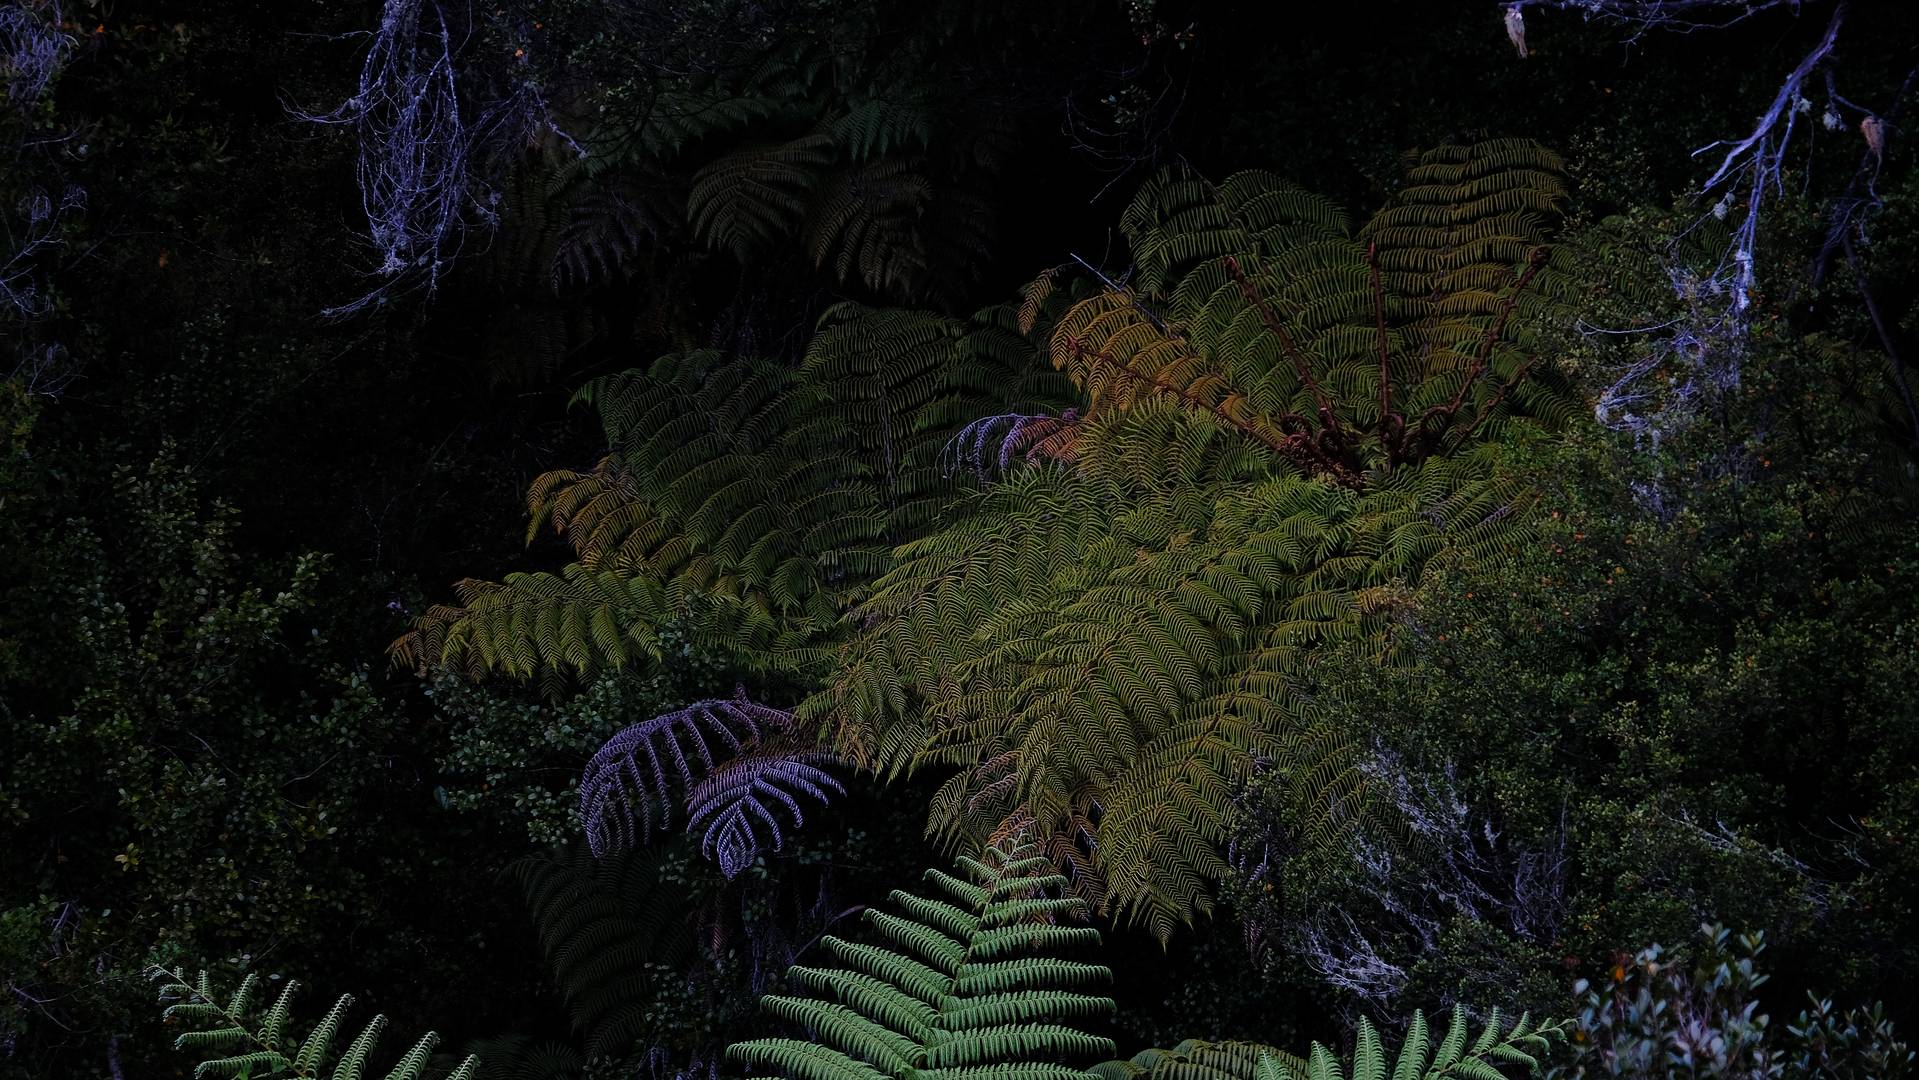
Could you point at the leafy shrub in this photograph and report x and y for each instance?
(1662, 1016)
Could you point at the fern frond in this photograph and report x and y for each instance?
(894, 1016)
(746, 200)
(580, 621)
(238, 1040)
(739, 799)
(718, 752)
(1498, 1052)
(874, 127)
(614, 931)
(746, 500)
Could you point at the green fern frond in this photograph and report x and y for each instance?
(1180, 220)
(874, 127)
(1496, 1053)
(932, 1002)
(747, 200)
(238, 1040)
(579, 621)
(613, 931)
(746, 500)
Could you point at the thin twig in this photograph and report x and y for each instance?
(1896, 365)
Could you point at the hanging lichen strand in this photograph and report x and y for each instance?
(34, 48)
(423, 127)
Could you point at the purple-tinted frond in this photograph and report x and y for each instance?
(627, 792)
(1000, 439)
(736, 800)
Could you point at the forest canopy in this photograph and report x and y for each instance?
(1375, 540)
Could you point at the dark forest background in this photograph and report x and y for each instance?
(244, 451)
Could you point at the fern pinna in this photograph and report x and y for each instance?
(1284, 425)
(240, 1039)
(1496, 1052)
(965, 983)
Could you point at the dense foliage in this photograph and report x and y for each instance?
(550, 512)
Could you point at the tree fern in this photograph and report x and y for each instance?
(1285, 424)
(241, 1039)
(1282, 425)
(963, 983)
